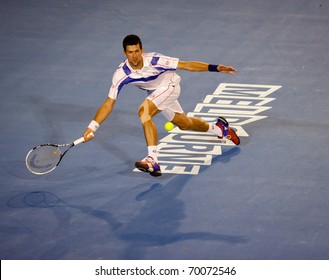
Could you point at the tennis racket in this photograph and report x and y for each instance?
(44, 158)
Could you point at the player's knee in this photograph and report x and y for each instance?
(144, 114)
(140, 110)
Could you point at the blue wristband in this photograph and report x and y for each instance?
(212, 68)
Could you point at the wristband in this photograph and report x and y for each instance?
(93, 125)
(212, 68)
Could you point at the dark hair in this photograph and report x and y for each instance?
(131, 40)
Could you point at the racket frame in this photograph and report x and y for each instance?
(58, 146)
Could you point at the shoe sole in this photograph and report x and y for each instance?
(143, 169)
(236, 136)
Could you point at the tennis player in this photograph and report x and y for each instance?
(156, 74)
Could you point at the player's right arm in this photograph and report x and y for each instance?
(102, 113)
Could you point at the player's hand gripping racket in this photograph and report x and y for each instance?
(44, 158)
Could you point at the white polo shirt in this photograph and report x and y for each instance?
(158, 71)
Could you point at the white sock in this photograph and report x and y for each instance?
(153, 152)
(214, 129)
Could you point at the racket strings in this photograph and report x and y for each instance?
(43, 159)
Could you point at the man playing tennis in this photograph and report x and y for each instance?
(156, 74)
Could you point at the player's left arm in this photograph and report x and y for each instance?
(202, 66)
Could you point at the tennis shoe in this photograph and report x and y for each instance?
(148, 164)
(228, 132)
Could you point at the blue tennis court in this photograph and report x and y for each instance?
(265, 199)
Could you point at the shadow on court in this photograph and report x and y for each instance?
(156, 223)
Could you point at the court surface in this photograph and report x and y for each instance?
(266, 199)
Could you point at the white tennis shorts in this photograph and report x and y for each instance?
(166, 100)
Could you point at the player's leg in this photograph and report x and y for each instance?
(146, 112)
(189, 123)
(150, 163)
(220, 129)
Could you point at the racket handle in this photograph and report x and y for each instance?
(81, 139)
